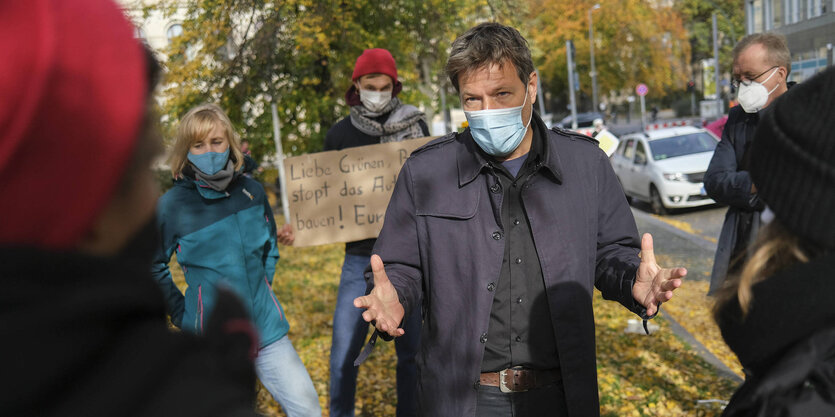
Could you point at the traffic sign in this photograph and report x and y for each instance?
(642, 90)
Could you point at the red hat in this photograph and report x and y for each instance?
(73, 83)
(373, 61)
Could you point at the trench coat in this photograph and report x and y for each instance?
(442, 245)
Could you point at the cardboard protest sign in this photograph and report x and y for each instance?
(341, 196)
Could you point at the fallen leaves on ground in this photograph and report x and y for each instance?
(638, 375)
(692, 309)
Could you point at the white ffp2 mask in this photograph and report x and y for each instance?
(752, 96)
(375, 101)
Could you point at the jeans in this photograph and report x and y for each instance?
(349, 332)
(548, 400)
(283, 374)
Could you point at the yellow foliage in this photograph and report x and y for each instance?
(638, 375)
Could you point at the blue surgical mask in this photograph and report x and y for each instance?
(498, 131)
(210, 162)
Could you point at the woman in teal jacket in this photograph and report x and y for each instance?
(220, 225)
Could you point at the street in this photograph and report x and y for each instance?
(686, 238)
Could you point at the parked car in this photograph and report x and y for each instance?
(665, 167)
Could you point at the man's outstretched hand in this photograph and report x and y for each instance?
(382, 304)
(654, 285)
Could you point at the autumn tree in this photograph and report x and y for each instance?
(636, 41)
(299, 54)
(730, 19)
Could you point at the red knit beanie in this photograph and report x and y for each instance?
(373, 61)
(73, 88)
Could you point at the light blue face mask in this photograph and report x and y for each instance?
(210, 162)
(498, 131)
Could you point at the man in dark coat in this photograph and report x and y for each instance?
(761, 66)
(82, 324)
(499, 235)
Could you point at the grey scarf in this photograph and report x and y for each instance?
(220, 180)
(402, 122)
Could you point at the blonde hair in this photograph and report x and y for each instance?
(197, 124)
(774, 249)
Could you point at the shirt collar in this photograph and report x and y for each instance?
(472, 159)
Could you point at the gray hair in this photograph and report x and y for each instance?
(776, 47)
(486, 44)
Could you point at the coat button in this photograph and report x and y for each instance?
(483, 338)
(518, 339)
(476, 384)
(491, 286)
(495, 188)
(526, 186)
(516, 221)
(497, 235)
(518, 260)
(519, 300)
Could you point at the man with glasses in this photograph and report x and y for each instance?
(762, 64)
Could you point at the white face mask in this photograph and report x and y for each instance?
(375, 101)
(752, 95)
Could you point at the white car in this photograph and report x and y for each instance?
(665, 167)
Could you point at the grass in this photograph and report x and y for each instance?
(638, 375)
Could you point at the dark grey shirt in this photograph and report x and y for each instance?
(520, 332)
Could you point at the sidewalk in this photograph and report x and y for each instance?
(689, 313)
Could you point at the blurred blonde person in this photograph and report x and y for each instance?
(777, 314)
(221, 227)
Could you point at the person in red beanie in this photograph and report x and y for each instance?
(377, 116)
(82, 323)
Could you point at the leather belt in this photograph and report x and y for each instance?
(519, 379)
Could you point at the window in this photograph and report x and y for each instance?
(621, 147)
(173, 31)
(756, 9)
(640, 154)
(777, 13)
(682, 145)
(816, 8)
(629, 152)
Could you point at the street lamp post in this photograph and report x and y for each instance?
(593, 70)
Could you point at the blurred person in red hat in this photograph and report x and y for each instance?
(377, 116)
(82, 323)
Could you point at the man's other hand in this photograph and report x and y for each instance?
(382, 305)
(654, 285)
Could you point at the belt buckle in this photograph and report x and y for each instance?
(503, 383)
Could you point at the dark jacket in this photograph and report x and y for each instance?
(345, 135)
(786, 343)
(727, 182)
(87, 336)
(442, 244)
(222, 240)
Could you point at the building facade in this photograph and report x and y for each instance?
(157, 29)
(809, 27)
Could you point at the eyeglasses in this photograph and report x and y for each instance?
(736, 81)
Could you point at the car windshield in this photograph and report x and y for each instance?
(681, 145)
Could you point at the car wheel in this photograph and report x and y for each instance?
(656, 202)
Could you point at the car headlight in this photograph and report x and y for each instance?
(677, 176)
